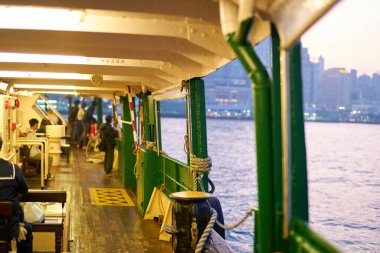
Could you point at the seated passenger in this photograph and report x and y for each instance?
(35, 151)
(44, 123)
(12, 184)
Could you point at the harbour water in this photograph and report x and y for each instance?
(343, 175)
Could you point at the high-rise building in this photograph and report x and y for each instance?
(335, 89)
(311, 78)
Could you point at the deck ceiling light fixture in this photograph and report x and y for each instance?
(45, 87)
(42, 58)
(17, 17)
(44, 75)
(60, 87)
(70, 59)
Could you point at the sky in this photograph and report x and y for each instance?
(348, 36)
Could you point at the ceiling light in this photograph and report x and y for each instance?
(44, 75)
(13, 17)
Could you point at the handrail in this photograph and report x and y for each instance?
(44, 143)
(55, 111)
(9, 157)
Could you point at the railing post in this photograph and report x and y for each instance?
(298, 166)
(198, 123)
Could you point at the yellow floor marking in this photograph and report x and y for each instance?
(110, 197)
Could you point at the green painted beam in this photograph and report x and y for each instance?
(99, 111)
(299, 166)
(129, 158)
(263, 120)
(198, 122)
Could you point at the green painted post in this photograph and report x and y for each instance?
(299, 166)
(280, 244)
(262, 103)
(198, 122)
(129, 159)
(99, 111)
(145, 103)
(158, 125)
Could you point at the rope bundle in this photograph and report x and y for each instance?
(199, 166)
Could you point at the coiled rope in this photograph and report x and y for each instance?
(207, 231)
(247, 214)
(198, 166)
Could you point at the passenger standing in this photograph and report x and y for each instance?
(79, 126)
(73, 122)
(109, 134)
(12, 184)
(87, 120)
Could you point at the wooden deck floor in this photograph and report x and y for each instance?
(101, 228)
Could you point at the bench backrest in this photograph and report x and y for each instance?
(44, 196)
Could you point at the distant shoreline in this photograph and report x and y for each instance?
(251, 119)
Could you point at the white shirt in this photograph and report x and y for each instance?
(34, 149)
(80, 114)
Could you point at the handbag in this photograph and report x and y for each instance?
(33, 212)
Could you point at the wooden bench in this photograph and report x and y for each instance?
(5, 214)
(48, 196)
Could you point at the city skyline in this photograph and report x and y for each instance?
(348, 37)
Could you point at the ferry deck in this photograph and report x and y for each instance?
(99, 227)
(160, 50)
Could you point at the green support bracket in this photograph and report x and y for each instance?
(299, 166)
(198, 122)
(263, 120)
(99, 111)
(128, 158)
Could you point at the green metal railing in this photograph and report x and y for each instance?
(270, 235)
(174, 174)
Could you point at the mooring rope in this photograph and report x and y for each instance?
(247, 214)
(207, 231)
(198, 166)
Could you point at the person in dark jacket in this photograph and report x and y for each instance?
(87, 120)
(109, 134)
(12, 185)
(73, 122)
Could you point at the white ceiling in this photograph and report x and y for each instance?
(155, 44)
(144, 44)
